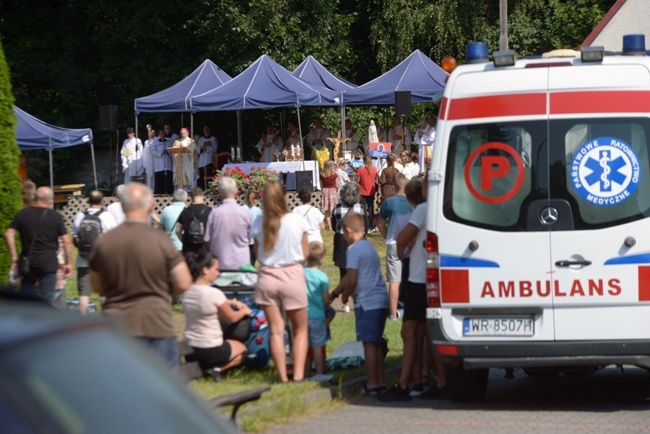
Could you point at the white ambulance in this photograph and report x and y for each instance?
(539, 215)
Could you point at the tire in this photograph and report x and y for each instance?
(466, 385)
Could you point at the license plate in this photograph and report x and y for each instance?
(498, 327)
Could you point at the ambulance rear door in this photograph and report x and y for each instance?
(494, 250)
(600, 179)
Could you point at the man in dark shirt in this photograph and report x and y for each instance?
(198, 210)
(138, 269)
(40, 229)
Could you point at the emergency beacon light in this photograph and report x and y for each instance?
(634, 45)
(477, 52)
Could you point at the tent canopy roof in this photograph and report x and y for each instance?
(176, 98)
(312, 71)
(264, 84)
(33, 134)
(417, 73)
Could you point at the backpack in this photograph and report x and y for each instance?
(89, 231)
(195, 230)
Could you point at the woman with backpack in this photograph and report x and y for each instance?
(203, 306)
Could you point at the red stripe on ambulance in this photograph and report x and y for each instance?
(607, 101)
(644, 283)
(497, 105)
(454, 286)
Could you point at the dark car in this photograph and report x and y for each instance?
(64, 373)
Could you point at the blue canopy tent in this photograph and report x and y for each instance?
(177, 98)
(33, 134)
(417, 73)
(264, 85)
(312, 71)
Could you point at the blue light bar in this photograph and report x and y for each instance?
(634, 45)
(477, 52)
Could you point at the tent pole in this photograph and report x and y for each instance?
(343, 121)
(92, 153)
(192, 126)
(302, 148)
(51, 168)
(239, 137)
(137, 164)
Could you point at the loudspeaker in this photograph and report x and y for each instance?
(403, 103)
(107, 117)
(305, 179)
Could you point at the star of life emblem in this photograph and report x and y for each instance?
(605, 171)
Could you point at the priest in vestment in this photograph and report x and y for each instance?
(353, 143)
(185, 163)
(317, 139)
(399, 136)
(269, 144)
(147, 160)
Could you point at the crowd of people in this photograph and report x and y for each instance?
(137, 269)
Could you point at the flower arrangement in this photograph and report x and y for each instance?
(322, 155)
(254, 181)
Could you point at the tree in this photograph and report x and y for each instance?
(9, 181)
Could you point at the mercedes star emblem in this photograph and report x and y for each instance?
(549, 216)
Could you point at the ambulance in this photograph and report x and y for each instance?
(538, 230)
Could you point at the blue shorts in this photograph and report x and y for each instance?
(370, 324)
(317, 335)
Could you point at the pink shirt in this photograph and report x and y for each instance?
(227, 232)
(201, 305)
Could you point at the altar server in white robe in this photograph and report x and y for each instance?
(206, 148)
(269, 144)
(147, 159)
(317, 139)
(424, 138)
(399, 136)
(162, 164)
(185, 163)
(131, 156)
(353, 143)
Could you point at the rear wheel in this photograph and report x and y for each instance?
(466, 384)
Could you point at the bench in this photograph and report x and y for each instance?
(190, 370)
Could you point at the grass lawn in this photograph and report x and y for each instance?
(285, 402)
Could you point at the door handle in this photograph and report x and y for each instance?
(566, 263)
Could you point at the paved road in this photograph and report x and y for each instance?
(606, 402)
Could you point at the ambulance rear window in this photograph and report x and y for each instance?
(492, 170)
(606, 176)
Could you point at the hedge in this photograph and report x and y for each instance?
(10, 186)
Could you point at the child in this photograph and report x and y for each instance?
(364, 281)
(318, 298)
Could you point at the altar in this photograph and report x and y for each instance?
(288, 168)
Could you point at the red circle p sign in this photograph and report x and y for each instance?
(494, 167)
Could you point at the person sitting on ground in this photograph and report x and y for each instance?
(311, 214)
(318, 288)
(203, 305)
(364, 281)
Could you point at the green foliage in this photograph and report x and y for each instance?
(69, 57)
(9, 181)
